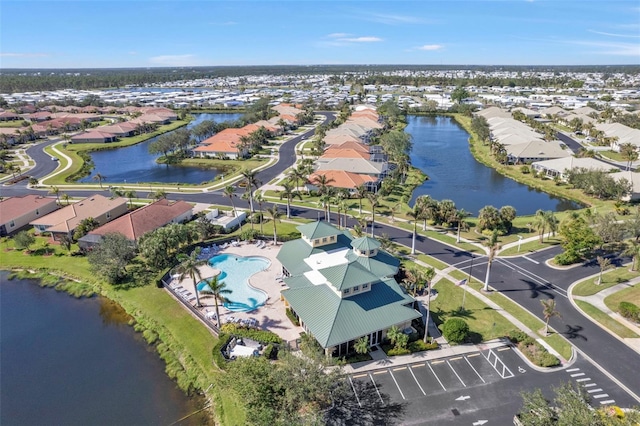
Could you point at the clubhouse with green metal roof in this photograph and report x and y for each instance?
(342, 289)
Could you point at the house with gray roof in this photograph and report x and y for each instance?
(342, 289)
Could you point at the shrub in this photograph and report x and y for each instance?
(537, 354)
(218, 358)
(517, 336)
(525, 170)
(629, 311)
(261, 336)
(398, 351)
(270, 352)
(419, 346)
(292, 317)
(455, 330)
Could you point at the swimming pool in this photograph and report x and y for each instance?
(238, 269)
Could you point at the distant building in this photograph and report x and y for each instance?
(17, 212)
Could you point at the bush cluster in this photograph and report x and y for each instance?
(395, 351)
(218, 358)
(292, 317)
(537, 353)
(629, 311)
(455, 330)
(419, 346)
(261, 336)
(270, 351)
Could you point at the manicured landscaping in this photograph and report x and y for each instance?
(530, 246)
(606, 320)
(630, 295)
(610, 278)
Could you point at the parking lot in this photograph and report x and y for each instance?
(420, 379)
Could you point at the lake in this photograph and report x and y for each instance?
(68, 361)
(441, 150)
(134, 164)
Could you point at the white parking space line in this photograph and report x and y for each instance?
(354, 391)
(397, 385)
(454, 372)
(531, 260)
(586, 379)
(436, 376)
(417, 383)
(475, 370)
(589, 385)
(577, 375)
(571, 370)
(376, 386)
(494, 364)
(608, 401)
(602, 395)
(594, 390)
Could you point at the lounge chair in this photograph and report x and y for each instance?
(231, 319)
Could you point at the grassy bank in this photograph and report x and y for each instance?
(182, 341)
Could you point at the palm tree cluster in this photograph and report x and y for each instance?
(493, 219)
(545, 221)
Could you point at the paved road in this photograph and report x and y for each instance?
(526, 280)
(464, 389)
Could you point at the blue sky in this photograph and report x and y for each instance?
(138, 33)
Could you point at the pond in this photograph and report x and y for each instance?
(134, 164)
(441, 150)
(69, 361)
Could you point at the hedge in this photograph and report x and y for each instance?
(261, 336)
(218, 358)
(629, 311)
(292, 317)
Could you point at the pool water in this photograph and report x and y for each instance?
(238, 269)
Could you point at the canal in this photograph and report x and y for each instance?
(441, 150)
(70, 361)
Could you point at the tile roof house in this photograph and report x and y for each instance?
(17, 212)
(342, 179)
(226, 143)
(94, 136)
(66, 220)
(342, 289)
(145, 219)
(355, 165)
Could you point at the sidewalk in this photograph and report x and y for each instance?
(597, 300)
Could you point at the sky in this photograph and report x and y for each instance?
(159, 33)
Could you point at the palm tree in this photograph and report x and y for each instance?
(99, 178)
(360, 193)
(429, 274)
(275, 217)
(250, 178)
(393, 334)
(130, 194)
(394, 209)
(493, 246)
(548, 311)
(540, 223)
(229, 191)
(56, 191)
(66, 198)
(375, 201)
(603, 263)
(297, 175)
(158, 194)
(629, 153)
(459, 217)
(361, 346)
(289, 193)
(633, 250)
(260, 200)
(189, 267)
(218, 289)
(322, 182)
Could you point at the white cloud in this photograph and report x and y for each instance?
(361, 39)
(338, 35)
(174, 60)
(24, 55)
(614, 35)
(392, 19)
(431, 47)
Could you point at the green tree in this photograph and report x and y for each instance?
(393, 334)
(218, 290)
(275, 215)
(416, 215)
(507, 215)
(100, 178)
(109, 259)
(455, 330)
(548, 311)
(604, 263)
(360, 193)
(130, 194)
(259, 198)
(289, 193)
(362, 345)
(577, 239)
(55, 191)
(633, 250)
(374, 200)
(189, 267)
(229, 191)
(23, 240)
(250, 178)
(429, 275)
(493, 246)
(459, 94)
(489, 218)
(84, 227)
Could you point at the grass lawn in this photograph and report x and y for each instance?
(631, 294)
(484, 322)
(610, 278)
(186, 344)
(531, 246)
(612, 155)
(606, 320)
(432, 261)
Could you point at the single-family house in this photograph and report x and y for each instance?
(536, 150)
(342, 289)
(94, 136)
(341, 179)
(66, 220)
(135, 224)
(560, 166)
(17, 212)
(378, 170)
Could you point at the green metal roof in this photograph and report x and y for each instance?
(348, 275)
(333, 320)
(319, 229)
(292, 255)
(381, 265)
(365, 244)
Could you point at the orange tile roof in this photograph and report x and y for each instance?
(345, 153)
(351, 145)
(342, 179)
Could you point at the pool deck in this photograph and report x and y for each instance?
(270, 316)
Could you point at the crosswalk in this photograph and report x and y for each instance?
(594, 391)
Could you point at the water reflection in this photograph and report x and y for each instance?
(441, 150)
(134, 164)
(112, 314)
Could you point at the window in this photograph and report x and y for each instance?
(356, 288)
(316, 242)
(346, 291)
(324, 240)
(365, 286)
(12, 224)
(333, 238)
(372, 252)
